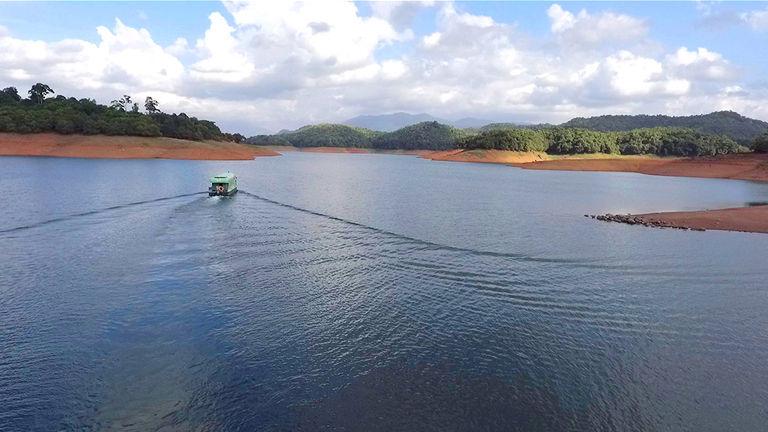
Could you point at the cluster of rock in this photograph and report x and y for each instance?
(639, 220)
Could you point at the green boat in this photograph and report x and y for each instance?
(223, 185)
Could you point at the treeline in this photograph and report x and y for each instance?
(550, 139)
(40, 113)
(421, 136)
(743, 130)
(559, 140)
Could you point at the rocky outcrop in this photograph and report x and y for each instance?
(640, 220)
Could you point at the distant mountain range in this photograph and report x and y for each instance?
(399, 120)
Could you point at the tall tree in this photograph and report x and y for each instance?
(38, 92)
(151, 105)
(121, 104)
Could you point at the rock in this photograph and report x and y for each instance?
(639, 220)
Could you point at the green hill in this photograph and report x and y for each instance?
(421, 136)
(321, 135)
(716, 133)
(731, 124)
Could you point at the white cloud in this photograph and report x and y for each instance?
(331, 32)
(432, 39)
(125, 57)
(223, 61)
(631, 75)
(757, 19)
(588, 29)
(684, 57)
(399, 14)
(701, 64)
(132, 54)
(281, 65)
(178, 48)
(467, 19)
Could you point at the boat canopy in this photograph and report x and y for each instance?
(223, 178)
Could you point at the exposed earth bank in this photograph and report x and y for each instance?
(124, 147)
(746, 219)
(748, 166)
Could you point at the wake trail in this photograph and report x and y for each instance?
(427, 243)
(93, 212)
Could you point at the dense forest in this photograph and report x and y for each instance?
(551, 139)
(40, 113)
(560, 140)
(321, 135)
(426, 135)
(421, 136)
(733, 125)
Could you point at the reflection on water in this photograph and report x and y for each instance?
(351, 299)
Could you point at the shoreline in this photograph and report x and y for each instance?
(746, 166)
(344, 150)
(124, 147)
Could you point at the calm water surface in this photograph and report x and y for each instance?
(373, 292)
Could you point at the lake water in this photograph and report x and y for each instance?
(373, 292)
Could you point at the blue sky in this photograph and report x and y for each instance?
(257, 66)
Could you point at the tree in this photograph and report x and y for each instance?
(151, 105)
(135, 108)
(760, 145)
(38, 92)
(121, 104)
(9, 95)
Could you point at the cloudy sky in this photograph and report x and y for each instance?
(265, 66)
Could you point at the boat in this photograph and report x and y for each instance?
(223, 185)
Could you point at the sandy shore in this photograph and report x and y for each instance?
(125, 147)
(738, 166)
(486, 156)
(746, 219)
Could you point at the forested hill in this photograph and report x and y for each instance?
(320, 135)
(662, 141)
(41, 113)
(731, 124)
(429, 135)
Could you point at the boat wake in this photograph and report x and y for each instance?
(427, 243)
(93, 212)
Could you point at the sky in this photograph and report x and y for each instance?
(256, 67)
